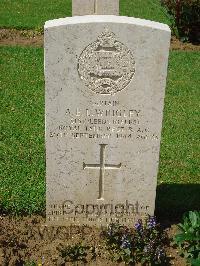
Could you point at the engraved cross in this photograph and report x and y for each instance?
(102, 167)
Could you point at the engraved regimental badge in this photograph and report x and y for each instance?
(106, 66)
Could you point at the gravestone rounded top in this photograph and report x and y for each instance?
(106, 19)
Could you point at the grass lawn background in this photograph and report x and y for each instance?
(22, 130)
(22, 176)
(32, 14)
(22, 151)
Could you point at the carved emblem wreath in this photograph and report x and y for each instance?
(106, 66)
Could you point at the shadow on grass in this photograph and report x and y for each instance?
(173, 200)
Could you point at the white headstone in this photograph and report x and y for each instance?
(95, 7)
(83, 7)
(105, 84)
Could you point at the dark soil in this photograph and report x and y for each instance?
(178, 45)
(14, 37)
(26, 239)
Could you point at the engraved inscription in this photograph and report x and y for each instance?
(102, 166)
(104, 120)
(104, 213)
(106, 66)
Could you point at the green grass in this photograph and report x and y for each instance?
(22, 184)
(180, 149)
(179, 173)
(22, 133)
(146, 9)
(32, 14)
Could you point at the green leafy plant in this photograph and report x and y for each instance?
(186, 14)
(30, 263)
(188, 237)
(150, 240)
(144, 243)
(77, 252)
(119, 241)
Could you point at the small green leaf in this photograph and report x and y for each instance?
(195, 262)
(127, 251)
(179, 238)
(193, 218)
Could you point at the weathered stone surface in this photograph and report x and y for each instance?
(105, 84)
(83, 7)
(95, 7)
(107, 7)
